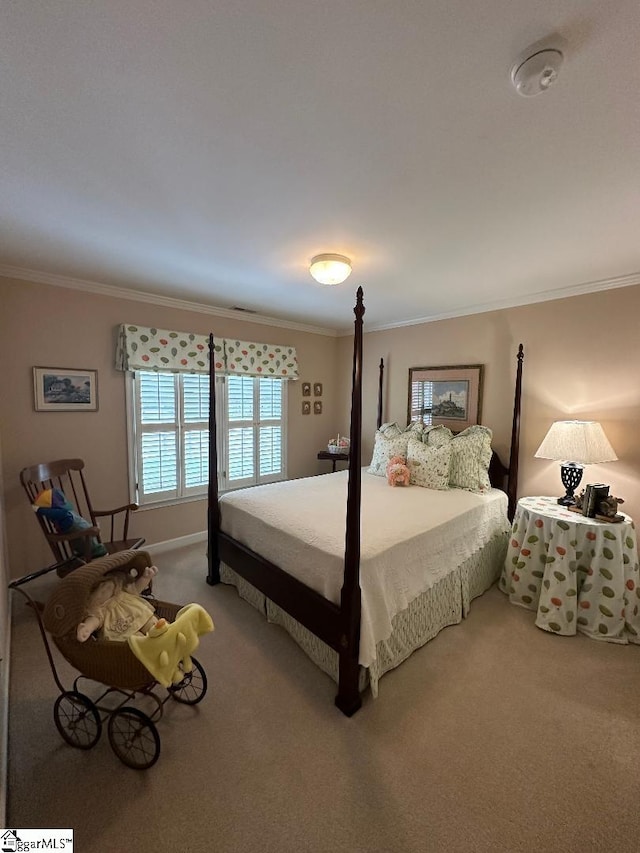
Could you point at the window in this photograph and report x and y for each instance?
(170, 433)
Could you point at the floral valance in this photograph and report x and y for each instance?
(260, 359)
(148, 348)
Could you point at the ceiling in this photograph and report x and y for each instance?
(207, 149)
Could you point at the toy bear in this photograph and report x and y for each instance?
(397, 472)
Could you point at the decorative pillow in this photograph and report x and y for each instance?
(384, 448)
(415, 428)
(437, 436)
(53, 505)
(470, 458)
(428, 466)
(390, 430)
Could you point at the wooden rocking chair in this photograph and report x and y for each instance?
(77, 547)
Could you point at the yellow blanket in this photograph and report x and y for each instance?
(166, 652)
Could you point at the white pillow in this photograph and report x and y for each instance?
(384, 448)
(428, 466)
(470, 458)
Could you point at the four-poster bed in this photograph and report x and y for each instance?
(331, 610)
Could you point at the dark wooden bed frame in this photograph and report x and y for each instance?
(336, 625)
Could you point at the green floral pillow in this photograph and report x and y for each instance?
(470, 458)
(390, 430)
(428, 466)
(437, 436)
(415, 428)
(384, 448)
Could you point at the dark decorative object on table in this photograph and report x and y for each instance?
(595, 500)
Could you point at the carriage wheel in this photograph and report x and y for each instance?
(193, 686)
(134, 738)
(77, 719)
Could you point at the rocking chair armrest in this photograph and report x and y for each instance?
(103, 512)
(76, 534)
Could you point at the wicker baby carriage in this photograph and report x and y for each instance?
(133, 735)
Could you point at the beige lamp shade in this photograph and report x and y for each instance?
(330, 269)
(576, 441)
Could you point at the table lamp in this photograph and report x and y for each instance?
(581, 442)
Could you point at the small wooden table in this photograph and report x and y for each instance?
(334, 457)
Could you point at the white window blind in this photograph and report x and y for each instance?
(422, 402)
(255, 434)
(170, 434)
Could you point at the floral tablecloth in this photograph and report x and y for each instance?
(579, 574)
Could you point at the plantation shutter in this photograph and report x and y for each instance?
(422, 402)
(255, 430)
(195, 438)
(158, 435)
(270, 427)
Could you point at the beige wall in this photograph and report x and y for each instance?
(582, 360)
(44, 325)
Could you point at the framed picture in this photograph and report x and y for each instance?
(306, 407)
(451, 396)
(317, 407)
(317, 389)
(306, 389)
(63, 389)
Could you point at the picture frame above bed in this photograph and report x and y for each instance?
(451, 395)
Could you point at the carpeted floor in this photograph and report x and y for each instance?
(496, 736)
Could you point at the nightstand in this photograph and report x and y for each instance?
(576, 573)
(334, 457)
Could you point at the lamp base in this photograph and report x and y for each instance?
(570, 474)
(567, 500)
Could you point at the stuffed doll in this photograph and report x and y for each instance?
(397, 472)
(53, 505)
(117, 610)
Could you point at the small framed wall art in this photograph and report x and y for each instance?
(306, 389)
(317, 407)
(306, 407)
(317, 389)
(65, 389)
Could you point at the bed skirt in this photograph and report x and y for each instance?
(446, 603)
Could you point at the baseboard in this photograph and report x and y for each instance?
(173, 544)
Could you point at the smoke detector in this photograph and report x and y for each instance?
(537, 72)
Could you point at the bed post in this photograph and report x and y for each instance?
(348, 698)
(380, 378)
(512, 480)
(213, 510)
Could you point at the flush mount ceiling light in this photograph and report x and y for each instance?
(537, 72)
(330, 269)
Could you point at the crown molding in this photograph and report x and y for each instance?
(40, 277)
(532, 299)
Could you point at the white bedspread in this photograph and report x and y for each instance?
(411, 537)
